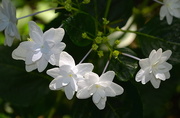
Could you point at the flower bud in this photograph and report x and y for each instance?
(95, 47)
(116, 53)
(105, 21)
(98, 40)
(100, 54)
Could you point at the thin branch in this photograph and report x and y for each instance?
(40, 12)
(85, 56)
(131, 56)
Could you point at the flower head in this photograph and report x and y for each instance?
(155, 68)
(99, 88)
(67, 75)
(169, 9)
(41, 48)
(8, 22)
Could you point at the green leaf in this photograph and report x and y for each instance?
(168, 37)
(124, 67)
(18, 86)
(127, 105)
(78, 24)
(116, 11)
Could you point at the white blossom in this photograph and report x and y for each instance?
(41, 48)
(8, 22)
(67, 74)
(169, 9)
(99, 88)
(155, 68)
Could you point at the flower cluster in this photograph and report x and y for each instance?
(43, 48)
(47, 47)
(79, 78)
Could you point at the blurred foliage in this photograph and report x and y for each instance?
(26, 95)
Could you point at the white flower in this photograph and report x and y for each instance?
(169, 9)
(99, 88)
(41, 48)
(8, 22)
(155, 68)
(67, 75)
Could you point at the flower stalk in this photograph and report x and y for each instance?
(131, 56)
(85, 56)
(33, 14)
(159, 2)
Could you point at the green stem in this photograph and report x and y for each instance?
(96, 15)
(146, 35)
(107, 8)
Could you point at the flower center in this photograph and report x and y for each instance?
(29, 39)
(98, 86)
(70, 75)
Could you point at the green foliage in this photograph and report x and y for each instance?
(87, 24)
(161, 35)
(75, 28)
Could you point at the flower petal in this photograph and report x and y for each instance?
(155, 82)
(12, 12)
(56, 84)
(31, 67)
(109, 92)
(144, 63)
(167, 54)
(101, 104)
(96, 97)
(91, 78)
(167, 74)
(69, 92)
(73, 84)
(169, 18)
(108, 76)
(140, 75)
(35, 33)
(84, 68)
(42, 64)
(66, 59)
(9, 35)
(160, 76)
(54, 72)
(6, 7)
(163, 12)
(4, 21)
(19, 53)
(116, 88)
(83, 93)
(54, 35)
(155, 56)
(37, 56)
